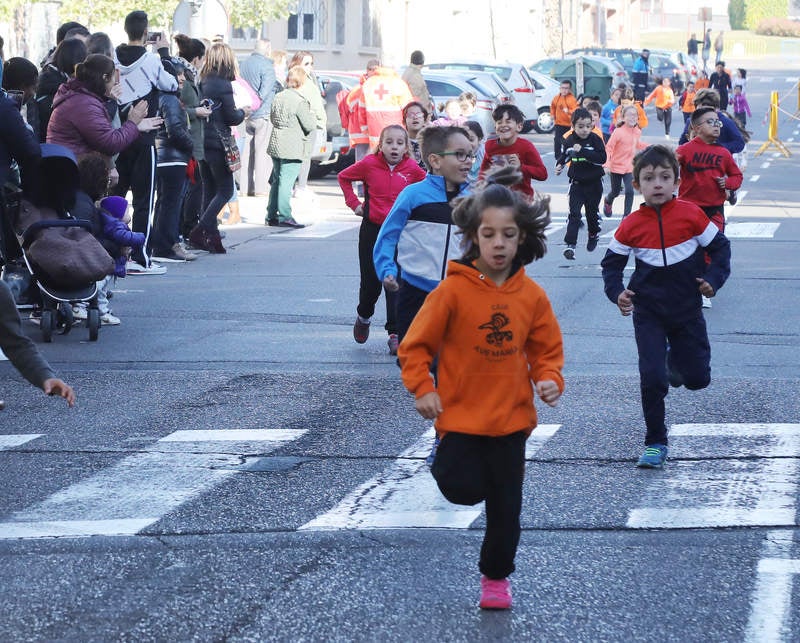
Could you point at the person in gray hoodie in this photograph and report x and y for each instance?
(141, 76)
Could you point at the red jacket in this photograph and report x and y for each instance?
(381, 184)
(531, 163)
(701, 164)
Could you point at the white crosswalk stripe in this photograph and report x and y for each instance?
(727, 487)
(137, 491)
(405, 495)
(15, 440)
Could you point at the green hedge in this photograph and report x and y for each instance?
(758, 10)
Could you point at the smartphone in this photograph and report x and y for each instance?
(17, 96)
(154, 36)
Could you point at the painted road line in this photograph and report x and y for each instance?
(755, 178)
(751, 230)
(15, 440)
(765, 165)
(747, 475)
(127, 497)
(771, 603)
(319, 230)
(405, 496)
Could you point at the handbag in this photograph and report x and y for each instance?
(233, 158)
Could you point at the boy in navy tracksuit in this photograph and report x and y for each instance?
(668, 238)
(585, 152)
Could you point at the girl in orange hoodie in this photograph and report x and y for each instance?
(625, 141)
(497, 342)
(664, 98)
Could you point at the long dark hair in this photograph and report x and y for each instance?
(68, 54)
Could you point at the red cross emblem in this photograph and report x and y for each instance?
(381, 92)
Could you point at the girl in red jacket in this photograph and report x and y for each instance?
(384, 175)
(497, 341)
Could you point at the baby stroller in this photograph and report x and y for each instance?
(62, 256)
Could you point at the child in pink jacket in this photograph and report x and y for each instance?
(384, 174)
(625, 141)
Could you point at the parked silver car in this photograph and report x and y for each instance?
(446, 84)
(513, 75)
(546, 91)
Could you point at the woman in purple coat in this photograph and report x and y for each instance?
(80, 121)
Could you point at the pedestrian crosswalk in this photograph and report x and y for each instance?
(719, 476)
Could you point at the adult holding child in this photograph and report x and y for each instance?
(80, 120)
(216, 81)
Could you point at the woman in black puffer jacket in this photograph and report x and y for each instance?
(215, 82)
(173, 150)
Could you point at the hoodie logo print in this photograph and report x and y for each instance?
(497, 336)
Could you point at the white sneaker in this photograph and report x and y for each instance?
(107, 319)
(706, 302)
(135, 268)
(79, 313)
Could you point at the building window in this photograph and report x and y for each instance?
(370, 34)
(307, 23)
(339, 35)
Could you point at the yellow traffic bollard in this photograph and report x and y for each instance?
(772, 131)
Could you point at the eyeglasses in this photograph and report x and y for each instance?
(713, 122)
(460, 155)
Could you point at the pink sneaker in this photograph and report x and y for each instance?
(495, 594)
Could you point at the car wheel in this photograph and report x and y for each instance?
(318, 171)
(544, 122)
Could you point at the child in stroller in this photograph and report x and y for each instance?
(109, 216)
(60, 252)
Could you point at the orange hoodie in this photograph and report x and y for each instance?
(561, 108)
(643, 121)
(664, 97)
(491, 342)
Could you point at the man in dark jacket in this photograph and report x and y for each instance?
(259, 71)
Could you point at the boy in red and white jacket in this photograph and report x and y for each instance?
(385, 174)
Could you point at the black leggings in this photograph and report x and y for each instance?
(369, 289)
(472, 468)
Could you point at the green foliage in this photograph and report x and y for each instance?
(737, 13)
(758, 10)
(251, 13)
(98, 13)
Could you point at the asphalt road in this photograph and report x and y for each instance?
(238, 469)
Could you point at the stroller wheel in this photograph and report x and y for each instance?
(65, 317)
(47, 324)
(93, 322)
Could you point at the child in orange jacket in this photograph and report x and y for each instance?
(664, 98)
(686, 102)
(497, 341)
(627, 99)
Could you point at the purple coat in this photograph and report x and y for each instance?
(80, 122)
